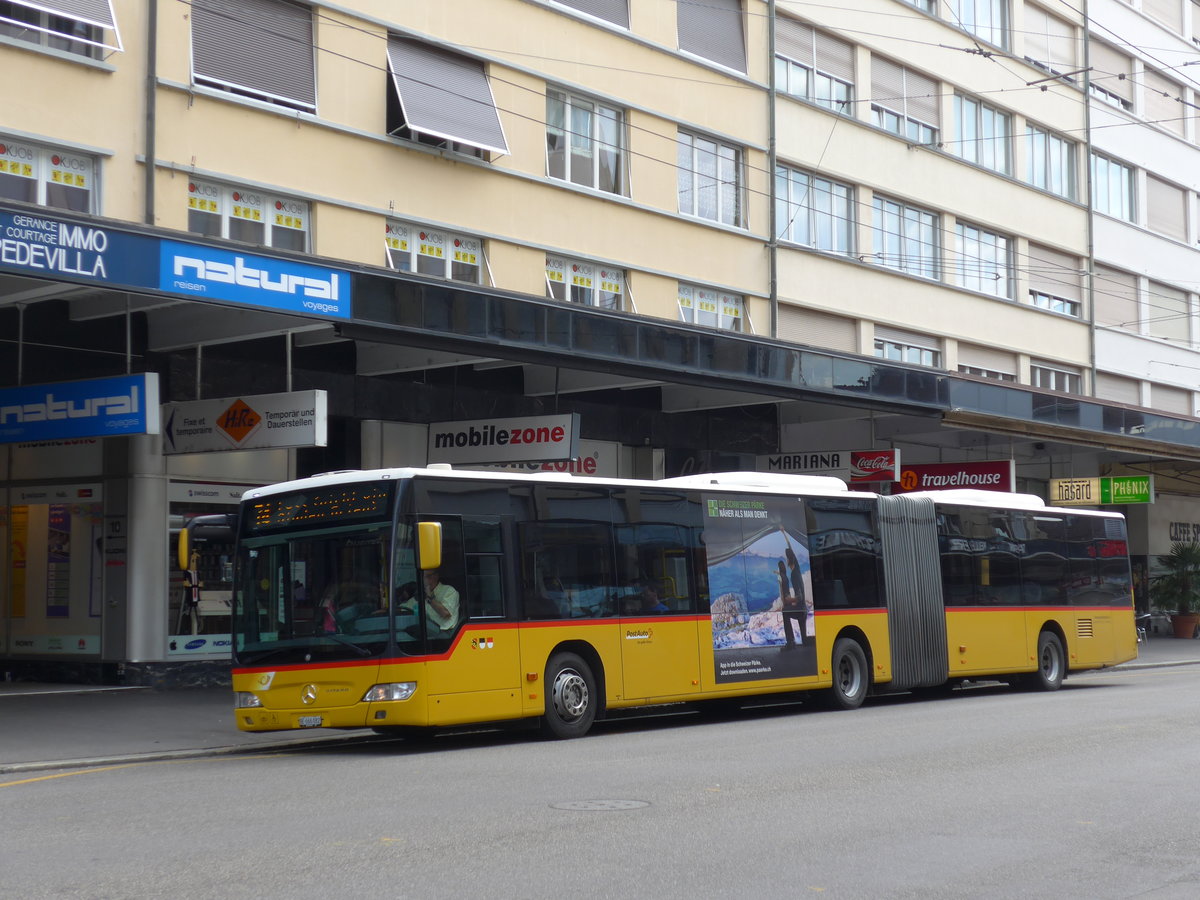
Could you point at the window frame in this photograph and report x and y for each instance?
(603, 288)
(469, 250)
(690, 175)
(929, 356)
(924, 265)
(565, 130)
(789, 210)
(66, 30)
(968, 235)
(1072, 382)
(977, 147)
(981, 372)
(1053, 146)
(965, 15)
(30, 162)
(1127, 210)
(727, 312)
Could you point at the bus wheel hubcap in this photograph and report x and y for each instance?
(570, 694)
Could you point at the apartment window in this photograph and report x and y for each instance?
(1055, 281)
(53, 178)
(1054, 378)
(586, 283)
(614, 11)
(66, 25)
(904, 102)
(256, 48)
(1110, 80)
(812, 211)
(712, 308)
(438, 254)
(584, 141)
(441, 99)
(983, 134)
(929, 6)
(986, 19)
(1169, 12)
(993, 374)
(250, 216)
(906, 238)
(905, 351)
(813, 65)
(712, 29)
(1050, 162)
(1112, 184)
(1049, 41)
(984, 261)
(710, 179)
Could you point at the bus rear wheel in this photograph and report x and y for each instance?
(570, 699)
(850, 676)
(1051, 661)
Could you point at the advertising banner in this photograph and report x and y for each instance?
(255, 422)
(1109, 490)
(45, 247)
(125, 404)
(545, 438)
(993, 475)
(854, 466)
(760, 582)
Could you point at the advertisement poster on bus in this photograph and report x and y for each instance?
(760, 585)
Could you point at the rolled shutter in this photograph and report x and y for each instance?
(1054, 273)
(445, 95)
(794, 40)
(817, 329)
(97, 13)
(1169, 12)
(1111, 70)
(1166, 208)
(1116, 298)
(1172, 399)
(1162, 106)
(263, 47)
(615, 11)
(987, 358)
(713, 29)
(1118, 389)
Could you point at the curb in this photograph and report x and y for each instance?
(196, 753)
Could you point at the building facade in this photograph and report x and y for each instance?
(719, 233)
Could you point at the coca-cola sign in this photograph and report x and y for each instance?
(874, 465)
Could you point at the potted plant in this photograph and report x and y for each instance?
(1178, 585)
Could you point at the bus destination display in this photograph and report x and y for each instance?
(323, 506)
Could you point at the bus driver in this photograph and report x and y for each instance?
(441, 602)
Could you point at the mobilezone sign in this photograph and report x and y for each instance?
(46, 247)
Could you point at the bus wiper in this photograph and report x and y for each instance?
(357, 648)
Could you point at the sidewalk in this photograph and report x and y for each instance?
(51, 726)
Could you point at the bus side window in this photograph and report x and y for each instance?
(484, 561)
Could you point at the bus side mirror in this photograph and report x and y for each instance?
(182, 548)
(429, 545)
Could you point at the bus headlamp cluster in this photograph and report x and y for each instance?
(396, 690)
(245, 700)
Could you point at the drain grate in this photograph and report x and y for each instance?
(599, 805)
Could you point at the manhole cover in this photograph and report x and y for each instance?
(594, 805)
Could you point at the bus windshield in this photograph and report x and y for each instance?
(319, 595)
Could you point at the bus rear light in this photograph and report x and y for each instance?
(396, 690)
(245, 700)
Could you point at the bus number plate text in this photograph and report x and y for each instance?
(310, 721)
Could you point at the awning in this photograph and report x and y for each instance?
(97, 13)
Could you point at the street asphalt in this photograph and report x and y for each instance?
(63, 726)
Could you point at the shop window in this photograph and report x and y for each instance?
(438, 254)
(84, 29)
(586, 283)
(248, 215)
(53, 178)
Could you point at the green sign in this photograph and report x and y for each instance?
(1126, 489)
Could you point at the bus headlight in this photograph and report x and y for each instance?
(245, 700)
(395, 690)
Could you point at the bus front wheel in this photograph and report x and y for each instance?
(571, 697)
(851, 677)
(1051, 664)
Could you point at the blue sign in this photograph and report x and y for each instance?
(125, 404)
(45, 247)
(216, 274)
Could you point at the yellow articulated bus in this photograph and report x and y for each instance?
(408, 599)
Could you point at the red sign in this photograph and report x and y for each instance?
(874, 465)
(994, 475)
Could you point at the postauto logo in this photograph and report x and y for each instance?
(216, 274)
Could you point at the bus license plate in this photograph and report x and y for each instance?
(310, 721)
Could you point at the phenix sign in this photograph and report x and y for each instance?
(126, 404)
